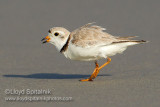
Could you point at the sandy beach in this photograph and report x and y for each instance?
(132, 79)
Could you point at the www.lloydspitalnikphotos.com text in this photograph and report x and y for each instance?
(33, 95)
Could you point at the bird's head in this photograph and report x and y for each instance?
(57, 36)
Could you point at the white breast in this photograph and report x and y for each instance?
(83, 54)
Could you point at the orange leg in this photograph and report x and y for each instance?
(96, 70)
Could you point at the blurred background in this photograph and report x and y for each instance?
(23, 23)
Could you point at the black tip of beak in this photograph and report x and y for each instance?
(44, 42)
(43, 39)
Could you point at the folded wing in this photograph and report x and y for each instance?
(92, 35)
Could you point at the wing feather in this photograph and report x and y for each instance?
(91, 35)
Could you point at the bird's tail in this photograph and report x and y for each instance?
(128, 39)
(136, 41)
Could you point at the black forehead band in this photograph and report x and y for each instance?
(49, 31)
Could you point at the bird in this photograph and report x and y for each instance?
(89, 43)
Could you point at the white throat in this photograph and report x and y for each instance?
(60, 43)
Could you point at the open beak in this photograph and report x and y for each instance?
(46, 39)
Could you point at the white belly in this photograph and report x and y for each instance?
(94, 53)
(83, 54)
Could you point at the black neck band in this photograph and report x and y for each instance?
(65, 46)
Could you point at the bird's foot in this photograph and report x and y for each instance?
(94, 75)
(86, 79)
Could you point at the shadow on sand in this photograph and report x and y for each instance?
(52, 76)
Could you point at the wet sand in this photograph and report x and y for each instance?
(132, 79)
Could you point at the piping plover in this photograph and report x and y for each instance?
(88, 43)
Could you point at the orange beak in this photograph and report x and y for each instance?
(46, 39)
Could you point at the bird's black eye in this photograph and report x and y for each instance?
(56, 34)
